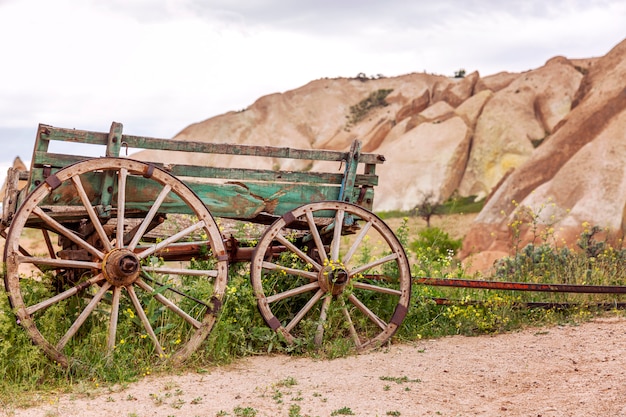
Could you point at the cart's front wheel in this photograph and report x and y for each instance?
(105, 274)
(347, 281)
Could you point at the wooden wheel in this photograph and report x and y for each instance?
(326, 286)
(100, 265)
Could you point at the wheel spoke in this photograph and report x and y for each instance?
(67, 232)
(46, 238)
(58, 263)
(169, 304)
(171, 239)
(295, 291)
(83, 316)
(376, 288)
(115, 309)
(64, 295)
(182, 271)
(144, 319)
(357, 242)
(336, 243)
(175, 290)
(319, 333)
(121, 205)
(351, 329)
(370, 265)
(316, 237)
(307, 307)
(78, 185)
(306, 258)
(153, 211)
(290, 271)
(369, 313)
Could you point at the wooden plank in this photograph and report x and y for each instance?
(236, 200)
(349, 178)
(237, 174)
(56, 160)
(248, 150)
(73, 135)
(243, 174)
(141, 142)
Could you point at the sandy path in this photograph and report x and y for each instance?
(547, 372)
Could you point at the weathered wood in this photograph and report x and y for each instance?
(227, 192)
(243, 200)
(141, 142)
(58, 161)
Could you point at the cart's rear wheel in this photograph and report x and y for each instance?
(109, 283)
(349, 281)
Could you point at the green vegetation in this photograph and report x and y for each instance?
(460, 73)
(399, 380)
(343, 411)
(27, 374)
(372, 101)
(454, 205)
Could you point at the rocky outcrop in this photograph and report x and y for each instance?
(515, 121)
(577, 176)
(549, 137)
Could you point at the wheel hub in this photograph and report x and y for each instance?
(121, 267)
(333, 277)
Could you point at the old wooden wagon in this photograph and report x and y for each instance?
(134, 249)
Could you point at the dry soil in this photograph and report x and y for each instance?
(548, 372)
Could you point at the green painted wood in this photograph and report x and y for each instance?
(236, 174)
(235, 200)
(114, 140)
(245, 194)
(141, 142)
(352, 163)
(247, 150)
(47, 132)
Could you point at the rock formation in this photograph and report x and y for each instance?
(550, 140)
(578, 175)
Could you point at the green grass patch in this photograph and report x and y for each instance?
(27, 377)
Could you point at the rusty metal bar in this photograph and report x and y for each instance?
(521, 286)
(530, 304)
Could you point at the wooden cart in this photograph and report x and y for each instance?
(132, 249)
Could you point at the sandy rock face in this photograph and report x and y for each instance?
(577, 176)
(438, 149)
(515, 121)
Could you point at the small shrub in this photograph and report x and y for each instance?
(434, 244)
(360, 110)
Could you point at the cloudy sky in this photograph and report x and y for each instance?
(160, 65)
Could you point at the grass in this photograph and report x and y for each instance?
(28, 377)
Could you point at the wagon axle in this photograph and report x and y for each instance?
(120, 267)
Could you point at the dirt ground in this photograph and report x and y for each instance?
(548, 372)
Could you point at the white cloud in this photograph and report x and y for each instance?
(158, 66)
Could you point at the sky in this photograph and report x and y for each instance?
(159, 65)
